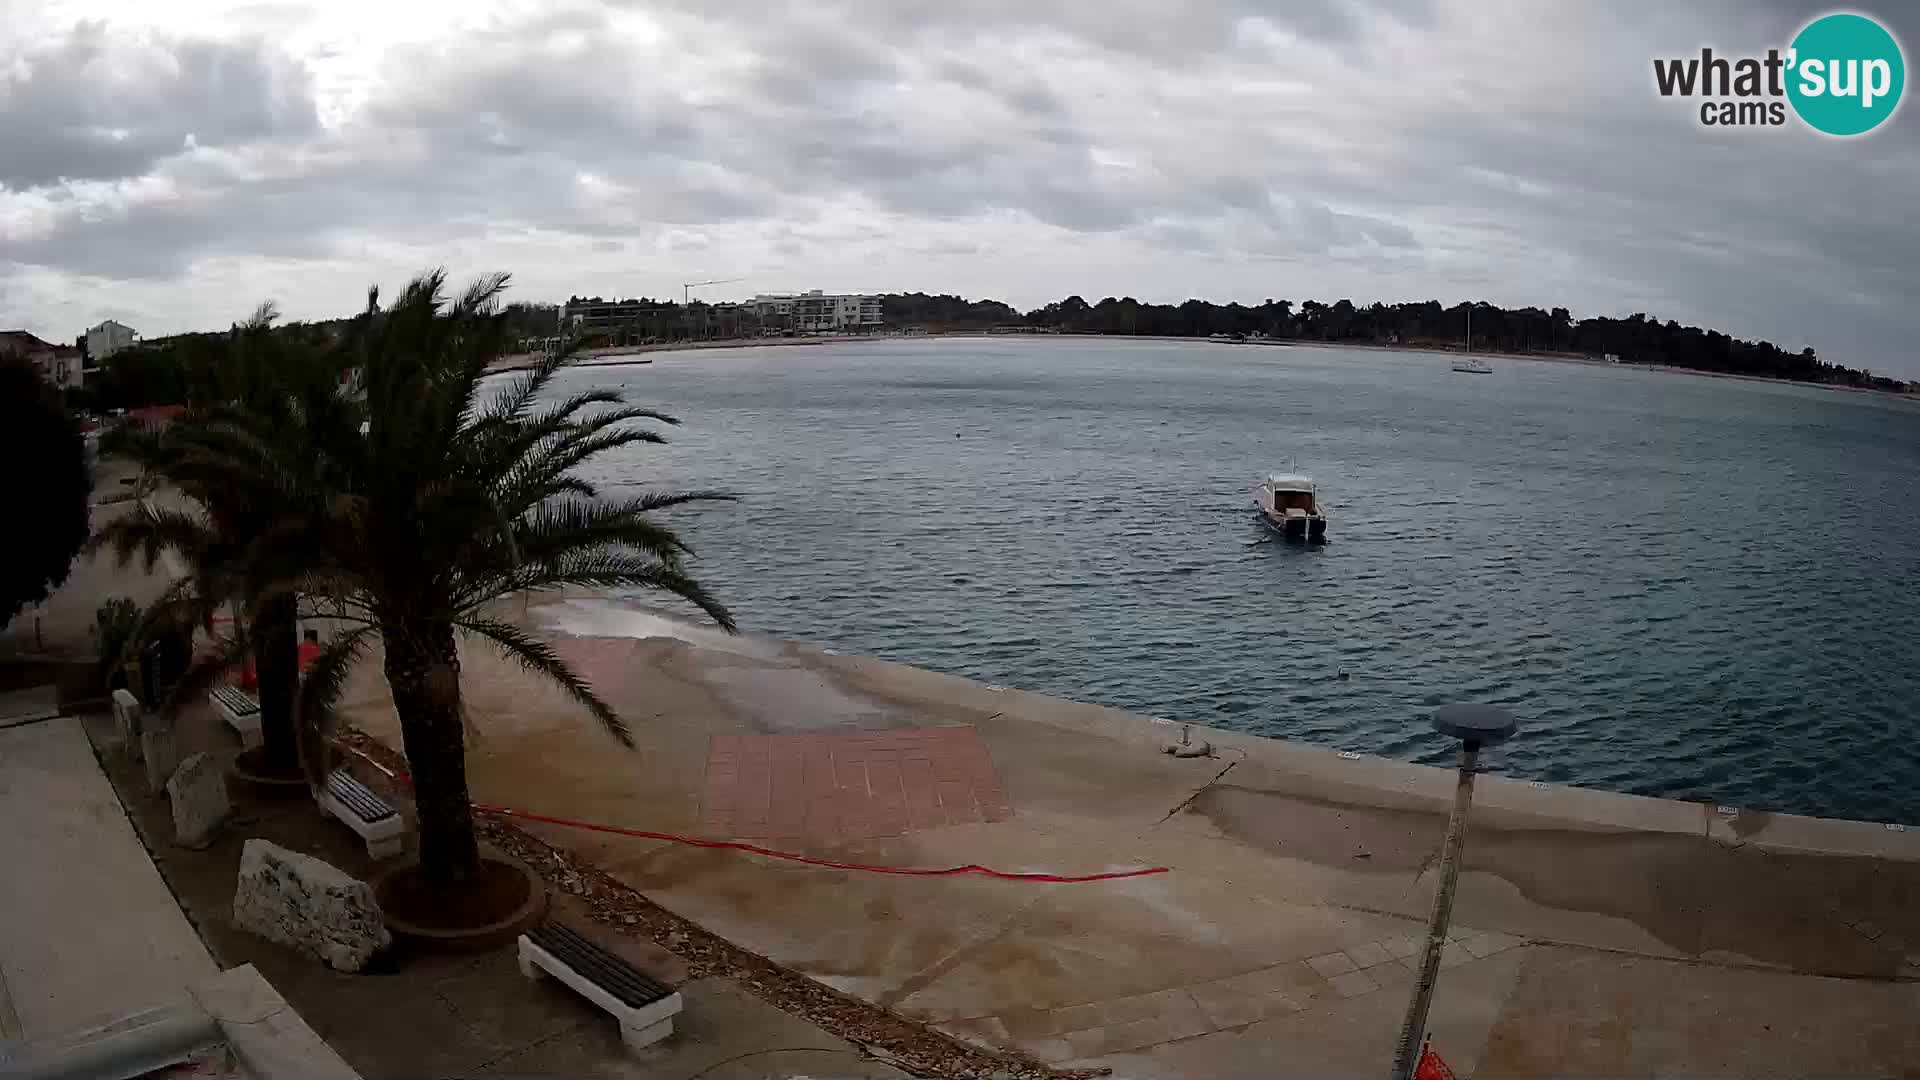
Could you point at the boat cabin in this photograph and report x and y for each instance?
(1291, 492)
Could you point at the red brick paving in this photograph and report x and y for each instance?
(830, 789)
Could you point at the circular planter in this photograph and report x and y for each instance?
(504, 900)
(250, 772)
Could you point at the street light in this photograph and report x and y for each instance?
(1475, 726)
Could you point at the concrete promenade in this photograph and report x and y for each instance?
(1598, 934)
(88, 930)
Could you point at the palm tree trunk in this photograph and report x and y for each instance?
(423, 672)
(276, 663)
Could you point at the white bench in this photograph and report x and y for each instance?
(644, 1006)
(356, 806)
(240, 710)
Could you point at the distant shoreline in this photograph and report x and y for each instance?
(615, 355)
(1589, 361)
(612, 355)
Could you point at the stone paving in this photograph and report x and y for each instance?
(822, 790)
(1110, 1026)
(1280, 940)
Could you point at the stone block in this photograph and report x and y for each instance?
(159, 753)
(198, 791)
(311, 905)
(126, 719)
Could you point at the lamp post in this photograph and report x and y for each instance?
(1475, 726)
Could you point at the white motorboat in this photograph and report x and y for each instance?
(1288, 503)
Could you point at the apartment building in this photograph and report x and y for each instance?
(819, 312)
(59, 365)
(108, 338)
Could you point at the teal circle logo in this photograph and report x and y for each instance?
(1845, 74)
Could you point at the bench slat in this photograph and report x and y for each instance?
(237, 700)
(605, 969)
(358, 798)
(633, 987)
(616, 981)
(622, 981)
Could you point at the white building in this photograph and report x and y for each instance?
(64, 370)
(109, 338)
(817, 312)
(58, 364)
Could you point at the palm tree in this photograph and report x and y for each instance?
(269, 378)
(456, 494)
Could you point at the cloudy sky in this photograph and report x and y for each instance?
(171, 164)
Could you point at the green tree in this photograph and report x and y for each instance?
(282, 382)
(455, 495)
(49, 483)
(148, 374)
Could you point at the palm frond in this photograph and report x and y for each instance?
(616, 572)
(570, 485)
(263, 317)
(207, 668)
(537, 656)
(559, 527)
(522, 390)
(500, 444)
(320, 692)
(133, 443)
(530, 484)
(661, 500)
(149, 531)
(182, 603)
(482, 294)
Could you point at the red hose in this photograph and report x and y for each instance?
(735, 845)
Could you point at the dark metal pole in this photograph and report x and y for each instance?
(1412, 1032)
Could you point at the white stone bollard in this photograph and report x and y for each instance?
(198, 790)
(126, 719)
(160, 753)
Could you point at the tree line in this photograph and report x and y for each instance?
(1637, 339)
(164, 371)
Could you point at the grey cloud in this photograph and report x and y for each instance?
(1280, 227)
(1179, 32)
(1177, 236)
(522, 92)
(1021, 92)
(1239, 192)
(99, 106)
(505, 126)
(812, 58)
(1178, 132)
(162, 240)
